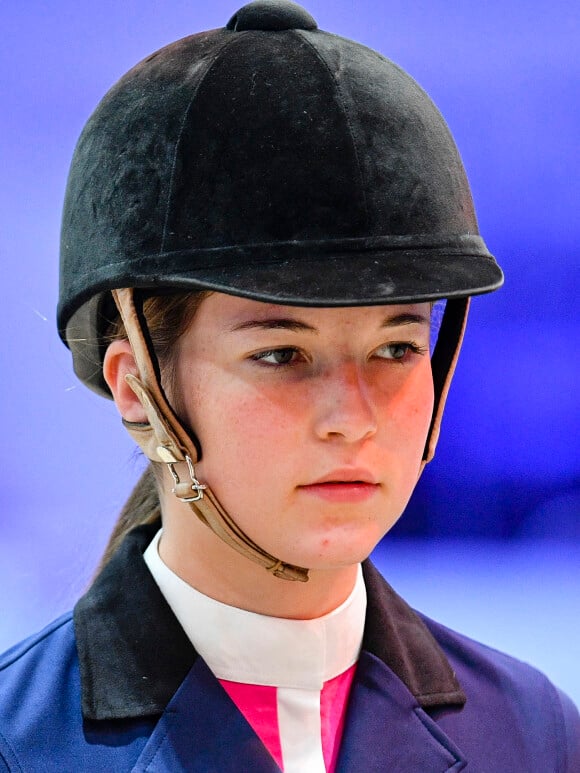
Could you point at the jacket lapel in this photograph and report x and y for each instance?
(202, 731)
(387, 730)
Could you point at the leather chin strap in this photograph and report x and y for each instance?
(163, 439)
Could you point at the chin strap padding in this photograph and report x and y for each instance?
(163, 439)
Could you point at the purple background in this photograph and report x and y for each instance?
(507, 78)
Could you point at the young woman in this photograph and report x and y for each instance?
(259, 221)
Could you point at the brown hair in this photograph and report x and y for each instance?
(168, 318)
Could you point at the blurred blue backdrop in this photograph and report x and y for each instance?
(507, 78)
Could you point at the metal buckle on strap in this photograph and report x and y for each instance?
(181, 488)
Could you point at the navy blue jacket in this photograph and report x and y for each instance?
(118, 687)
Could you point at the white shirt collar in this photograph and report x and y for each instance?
(243, 646)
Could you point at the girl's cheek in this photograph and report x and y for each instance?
(267, 417)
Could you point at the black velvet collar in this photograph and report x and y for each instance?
(133, 653)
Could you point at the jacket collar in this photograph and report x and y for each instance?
(133, 654)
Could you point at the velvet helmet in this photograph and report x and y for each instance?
(275, 161)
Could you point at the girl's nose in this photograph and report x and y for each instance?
(343, 405)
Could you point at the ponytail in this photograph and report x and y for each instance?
(141, 507)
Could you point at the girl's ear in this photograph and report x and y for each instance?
(118, 362)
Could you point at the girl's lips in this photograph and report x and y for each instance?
(342, 491)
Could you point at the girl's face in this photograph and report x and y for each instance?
(312, 421)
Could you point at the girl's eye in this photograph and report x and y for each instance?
(398, 351)
(285, 356)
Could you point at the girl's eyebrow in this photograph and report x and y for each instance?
(297, 326)
(406, 319)
(276, 323)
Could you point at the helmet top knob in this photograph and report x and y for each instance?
(272, 15)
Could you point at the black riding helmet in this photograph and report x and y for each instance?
(272, 160)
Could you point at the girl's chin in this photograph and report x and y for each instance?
(334, 553)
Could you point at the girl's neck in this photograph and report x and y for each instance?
(196, 555)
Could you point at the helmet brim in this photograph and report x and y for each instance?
(378, 276)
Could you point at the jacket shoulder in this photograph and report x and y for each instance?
(509, 699)
(31, 668)
(41, 722)
(33, 674)
(17, 652)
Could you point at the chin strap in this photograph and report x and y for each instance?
(163, 439)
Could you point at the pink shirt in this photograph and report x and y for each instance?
(259, 705)
(289, 678)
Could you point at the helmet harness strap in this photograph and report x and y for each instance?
(163, 439)
(443, 363)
